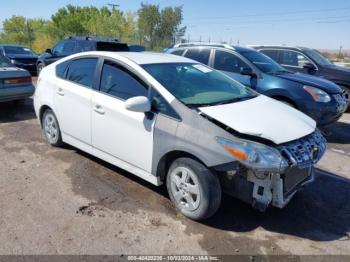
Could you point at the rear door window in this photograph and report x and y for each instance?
(273, 54)
(82, 71)
(68, 47)
(177, 52)
(228, 62)
(84, 46)
(199, 54)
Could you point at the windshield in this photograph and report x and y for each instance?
(198, 85)
(263, 62)
(18, 50)
(318, 57)
(4, 62)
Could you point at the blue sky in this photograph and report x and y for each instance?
(314, 23)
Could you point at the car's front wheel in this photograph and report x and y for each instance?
(193, 188)
(51, 128)
(346, 92)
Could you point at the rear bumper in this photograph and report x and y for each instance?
(16, 93)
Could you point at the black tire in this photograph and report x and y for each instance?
(39, 67)
(208, 184)
(54, 140)
(347, 93)
(19, 102)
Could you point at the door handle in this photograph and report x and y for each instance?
(60, 92)
(99, 109)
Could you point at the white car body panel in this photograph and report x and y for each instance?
(263, 117)
(121, 133)
(73, 102)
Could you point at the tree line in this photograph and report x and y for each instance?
(150, 26)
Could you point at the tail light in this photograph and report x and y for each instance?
(18, 80)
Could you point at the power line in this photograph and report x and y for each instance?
(270, 14)
(310, 19)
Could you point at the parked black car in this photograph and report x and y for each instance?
(77, 44)
(20, 56)
(309, 61)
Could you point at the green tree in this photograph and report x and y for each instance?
(20, 30)
(158, 28)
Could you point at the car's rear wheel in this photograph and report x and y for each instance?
(51, 128)
(193, 188)
(39, 67)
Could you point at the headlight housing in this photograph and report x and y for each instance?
(318, 95)
(255, 156)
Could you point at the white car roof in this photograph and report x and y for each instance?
(142, 58)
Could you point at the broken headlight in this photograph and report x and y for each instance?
(254, 155)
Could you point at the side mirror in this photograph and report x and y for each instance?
(246, 71)
(138, 104)
(309, 66)
(49, 51)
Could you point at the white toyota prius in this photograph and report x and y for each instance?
(173, 121)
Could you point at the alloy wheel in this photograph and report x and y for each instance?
(185, 188)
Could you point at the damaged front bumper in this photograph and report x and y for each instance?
(261, 188)
(277, 189)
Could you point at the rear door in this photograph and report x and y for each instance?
(73, 94)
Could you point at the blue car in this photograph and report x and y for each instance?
(319, 98)
(15, 83)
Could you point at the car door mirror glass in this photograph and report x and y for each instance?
(138, 104)
(309, 66)
(49, 51)
(246, 71)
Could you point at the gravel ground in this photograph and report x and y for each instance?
(63, 201)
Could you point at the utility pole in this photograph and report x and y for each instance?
(29, 33)
(113, 5)
(339, 55)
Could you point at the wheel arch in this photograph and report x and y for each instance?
(42, 110)
(167, 159)
(285, 99)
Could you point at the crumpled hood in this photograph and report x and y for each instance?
(318, 82)
(263, 117)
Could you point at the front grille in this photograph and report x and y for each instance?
(294, 177)
(26, 60)
(305, 151)
(341, 98)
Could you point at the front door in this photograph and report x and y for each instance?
(295, 61)
(231, 65)
(125, 135)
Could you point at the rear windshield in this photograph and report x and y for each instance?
(108, 46)
(20, 50)
(4, 62)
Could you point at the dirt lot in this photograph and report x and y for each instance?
(63, 201)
